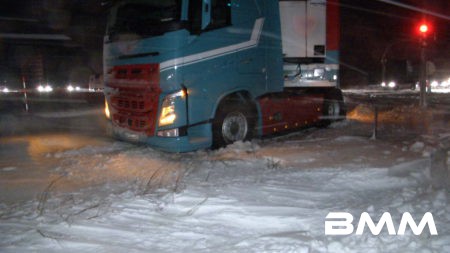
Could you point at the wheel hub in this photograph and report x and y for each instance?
(234, 127)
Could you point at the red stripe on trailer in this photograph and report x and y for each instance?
(285, 111)
(333, 25)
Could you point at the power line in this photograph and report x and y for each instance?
(358, 8)
(410, 7)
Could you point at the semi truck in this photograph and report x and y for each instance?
(183, 75)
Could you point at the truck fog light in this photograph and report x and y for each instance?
(169, 133)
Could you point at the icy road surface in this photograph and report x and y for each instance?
(263, 196)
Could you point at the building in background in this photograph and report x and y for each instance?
(54, 41)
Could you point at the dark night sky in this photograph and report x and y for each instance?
(63, 61)
(368, 27)
(82, 20)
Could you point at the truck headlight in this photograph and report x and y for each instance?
(168, 114)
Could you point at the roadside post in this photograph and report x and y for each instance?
(25, 97)
(375, 117)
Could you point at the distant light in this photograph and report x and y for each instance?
(446, 83)
(5, 90)
(443, 90)
(70, 88)
(423, 28)
(46, 88)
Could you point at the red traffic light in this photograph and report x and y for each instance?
(423, 29)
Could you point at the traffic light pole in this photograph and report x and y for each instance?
(423, 74)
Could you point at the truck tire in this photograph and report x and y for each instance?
(333, 107)
(233, 122)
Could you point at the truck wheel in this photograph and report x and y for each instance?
(333, 107)
(232, 123)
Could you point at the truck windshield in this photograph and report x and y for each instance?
(141, 19)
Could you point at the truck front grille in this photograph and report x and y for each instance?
(135, 102)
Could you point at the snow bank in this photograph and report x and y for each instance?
(260, 196)
(232, 200)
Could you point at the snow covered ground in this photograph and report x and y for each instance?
(268, 195)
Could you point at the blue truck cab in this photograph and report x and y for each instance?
(182, 75)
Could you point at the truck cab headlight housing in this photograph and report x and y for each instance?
(168, 114)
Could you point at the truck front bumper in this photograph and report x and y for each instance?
(198, 138)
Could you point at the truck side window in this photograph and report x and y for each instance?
(220, 14)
